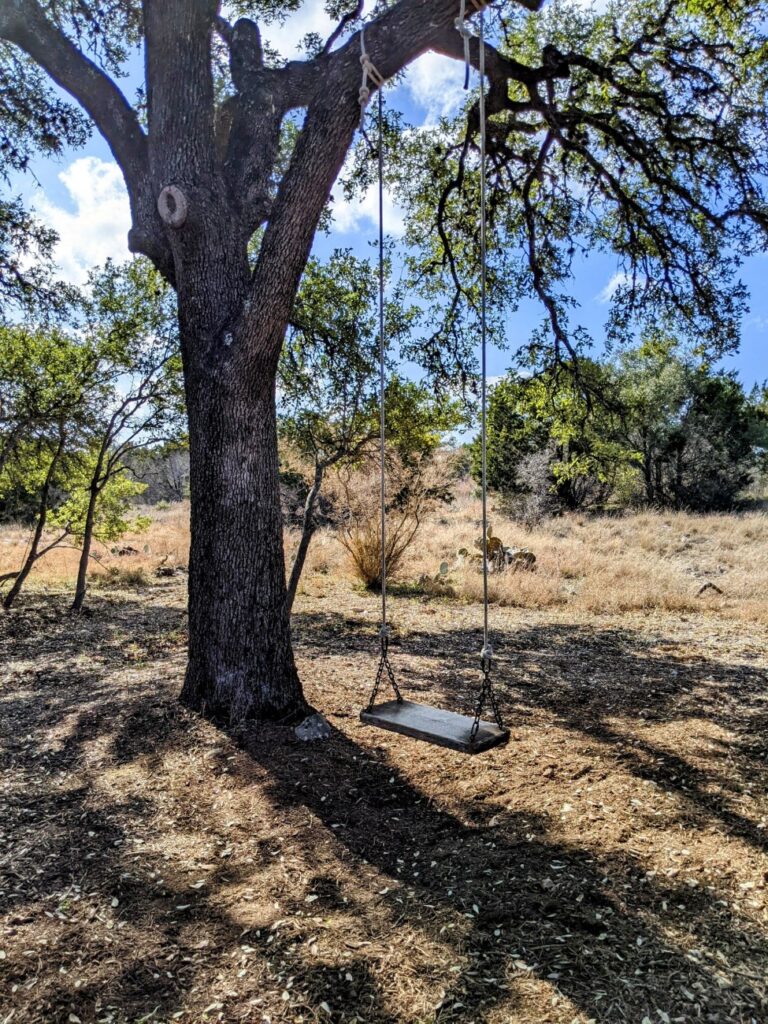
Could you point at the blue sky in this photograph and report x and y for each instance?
(82, 197)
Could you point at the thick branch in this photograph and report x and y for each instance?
(393, 40)
(24, 23)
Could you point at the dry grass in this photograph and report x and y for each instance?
(633, 562)
(166, 542)
(597, 565)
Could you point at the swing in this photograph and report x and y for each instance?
(470, 734)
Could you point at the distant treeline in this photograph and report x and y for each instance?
(656, 426)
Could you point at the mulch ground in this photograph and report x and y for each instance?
(608, 865)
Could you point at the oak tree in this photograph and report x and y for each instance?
(659, 122)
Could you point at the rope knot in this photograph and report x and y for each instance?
(370, 71)
(462, 28)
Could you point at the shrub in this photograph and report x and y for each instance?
(413, 492)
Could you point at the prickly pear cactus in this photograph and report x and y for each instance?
(442, 573)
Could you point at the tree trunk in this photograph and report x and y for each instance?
(42, 515)
(650, 493)
(85, 552)
(307, 532)
(241, 666)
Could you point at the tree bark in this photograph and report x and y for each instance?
(308, 528)
(81, 585)
(241, 667)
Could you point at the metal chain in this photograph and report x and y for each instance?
(486, 694)
(384, 667)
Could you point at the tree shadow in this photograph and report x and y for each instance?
(530, 906)
(592, 681)
(403, 902)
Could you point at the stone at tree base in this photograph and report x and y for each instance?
(314, 727)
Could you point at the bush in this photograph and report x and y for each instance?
(117, 576)
(413, 492)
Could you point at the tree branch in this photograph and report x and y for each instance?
(24, 23)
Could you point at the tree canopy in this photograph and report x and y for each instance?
(670, 431)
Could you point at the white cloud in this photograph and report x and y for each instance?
(286, 37)
(435, 84)
(619, 280)
(352, 215)
(97, 225)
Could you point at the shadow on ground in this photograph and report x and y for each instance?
(354, 884)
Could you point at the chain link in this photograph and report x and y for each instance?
(384, 667)
(487, 694)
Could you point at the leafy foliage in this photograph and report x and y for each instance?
(585, 461)
(698, 435)
(328, 383)
(643, 133)
(75, 409)
(111, 514)
(662, 428)
(26, 250)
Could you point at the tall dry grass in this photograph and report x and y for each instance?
(165, 542)
(608, 564)
(634, 562)
(412, 496)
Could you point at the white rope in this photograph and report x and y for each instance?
(382, 378)
(466, 33)
(487, 650)
(370, 72)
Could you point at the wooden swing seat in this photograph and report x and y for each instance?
(434, 725)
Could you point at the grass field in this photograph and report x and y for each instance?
(631, 562)
(608, 865)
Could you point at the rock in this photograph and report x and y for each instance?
(166, 571)
(314, 727)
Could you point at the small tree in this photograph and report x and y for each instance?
(49, 387)
(74, 410)
(574, 418)
(698, 434)
(328, 383)
(165, 471)
(108, 518)
(130, 320)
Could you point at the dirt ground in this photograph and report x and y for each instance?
(608, 865)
